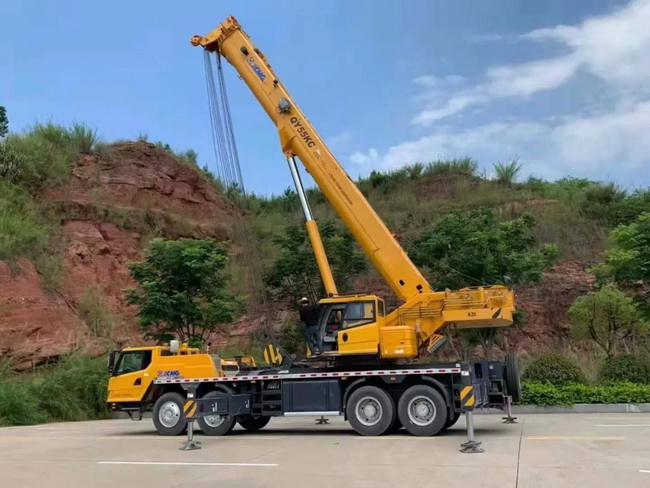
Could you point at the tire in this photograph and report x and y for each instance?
(513, 381)
(451, 419)
(397, 425)
(168, 417)
(253, 424)
(370, 411)
(422, 410)
(215, 425)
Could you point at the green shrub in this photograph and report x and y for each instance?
(74, 389)
(293, 338)
(22, 231)
(555, 369)
(41, 156)
(507, 173)
(82, 138)
(19, 405)
(546, 394)
(94, 311)
(628, 368)
(463, 166)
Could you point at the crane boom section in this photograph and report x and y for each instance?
(299, 138)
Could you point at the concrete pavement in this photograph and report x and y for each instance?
(570, 450)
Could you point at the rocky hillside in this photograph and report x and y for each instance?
(68, 294)
(112, 204)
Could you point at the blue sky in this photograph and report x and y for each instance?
(562, 85)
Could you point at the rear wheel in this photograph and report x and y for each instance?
(370, 411)
(253, 424)
(513, 382)
(168, 417)
(422, 410)
(215, 424)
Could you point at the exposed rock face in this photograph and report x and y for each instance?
(37, 326)
(139, 175)
(545, 307)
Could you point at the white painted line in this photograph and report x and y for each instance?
(623, 425)
(630, 417)
(573, 438)
(644, 471)
(148, 463)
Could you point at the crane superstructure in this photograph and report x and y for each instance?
(361, 327)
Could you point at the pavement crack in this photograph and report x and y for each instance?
(521, 437)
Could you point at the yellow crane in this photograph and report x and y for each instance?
(178, 383)
(356, 325)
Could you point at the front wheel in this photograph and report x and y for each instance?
(422, 410)
(451, 419)
(253, 424)
(215, 425)
(168, 417)
(370, 411)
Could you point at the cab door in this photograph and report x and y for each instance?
(359, 332)
(130, 378)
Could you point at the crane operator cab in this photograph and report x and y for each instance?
(349, 325)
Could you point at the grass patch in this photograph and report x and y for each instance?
(22, 230)
(462, 166)
(96, 314)
(74, 389)
(41, 156)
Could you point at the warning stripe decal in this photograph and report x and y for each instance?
(466, 391)
(337, 374)
(189, 409)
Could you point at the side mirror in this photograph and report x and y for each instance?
(111, 361)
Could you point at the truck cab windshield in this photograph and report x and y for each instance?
(132, 361)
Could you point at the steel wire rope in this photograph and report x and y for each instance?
(229, 171)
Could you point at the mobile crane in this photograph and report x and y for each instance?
(359, 338)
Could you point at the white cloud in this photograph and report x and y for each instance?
(608, 142)
(615, 48)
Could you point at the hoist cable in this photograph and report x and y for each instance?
(229, 172)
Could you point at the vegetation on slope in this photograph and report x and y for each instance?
(570, 220)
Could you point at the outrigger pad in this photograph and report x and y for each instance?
(471, 447)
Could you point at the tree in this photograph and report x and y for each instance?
(4, 122)
(628, 261)
(182, 290)
(606, 317)
(473, 248)
(295, 274)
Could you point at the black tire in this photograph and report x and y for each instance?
(433, 417)
(216, 425)
(513, 380)
(375, 400)
(397, 425)
(452, 418)
(168, 417)
(253, 424)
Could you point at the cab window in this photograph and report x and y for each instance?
(358, 313)
(333, 320)
(380, 306)
(132, 361)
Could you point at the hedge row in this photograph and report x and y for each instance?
(547, 394)
(561, 369)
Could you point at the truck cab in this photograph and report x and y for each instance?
(133, 370)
